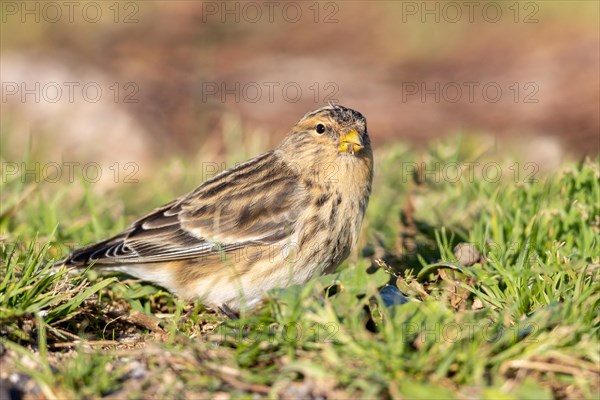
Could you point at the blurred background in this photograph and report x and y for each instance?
(137, 81)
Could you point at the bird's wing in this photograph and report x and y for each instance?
(256, 203)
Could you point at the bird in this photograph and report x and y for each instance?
(276, 220)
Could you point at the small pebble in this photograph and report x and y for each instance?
(467, 254)
(392, 296)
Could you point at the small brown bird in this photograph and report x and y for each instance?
(275, 220)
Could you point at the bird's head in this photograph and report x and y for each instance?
(332, 131)
(332, 144)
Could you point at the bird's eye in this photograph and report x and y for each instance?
(320, 129)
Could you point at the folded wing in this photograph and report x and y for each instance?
(256, 203)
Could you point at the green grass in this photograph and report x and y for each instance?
(521, 322)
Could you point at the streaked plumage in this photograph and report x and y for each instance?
(275, 220)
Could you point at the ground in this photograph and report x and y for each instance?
(496, 263)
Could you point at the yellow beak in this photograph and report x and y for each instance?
(351, 142)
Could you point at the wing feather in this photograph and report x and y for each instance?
(258, 205)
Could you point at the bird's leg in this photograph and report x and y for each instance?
(224, 308)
